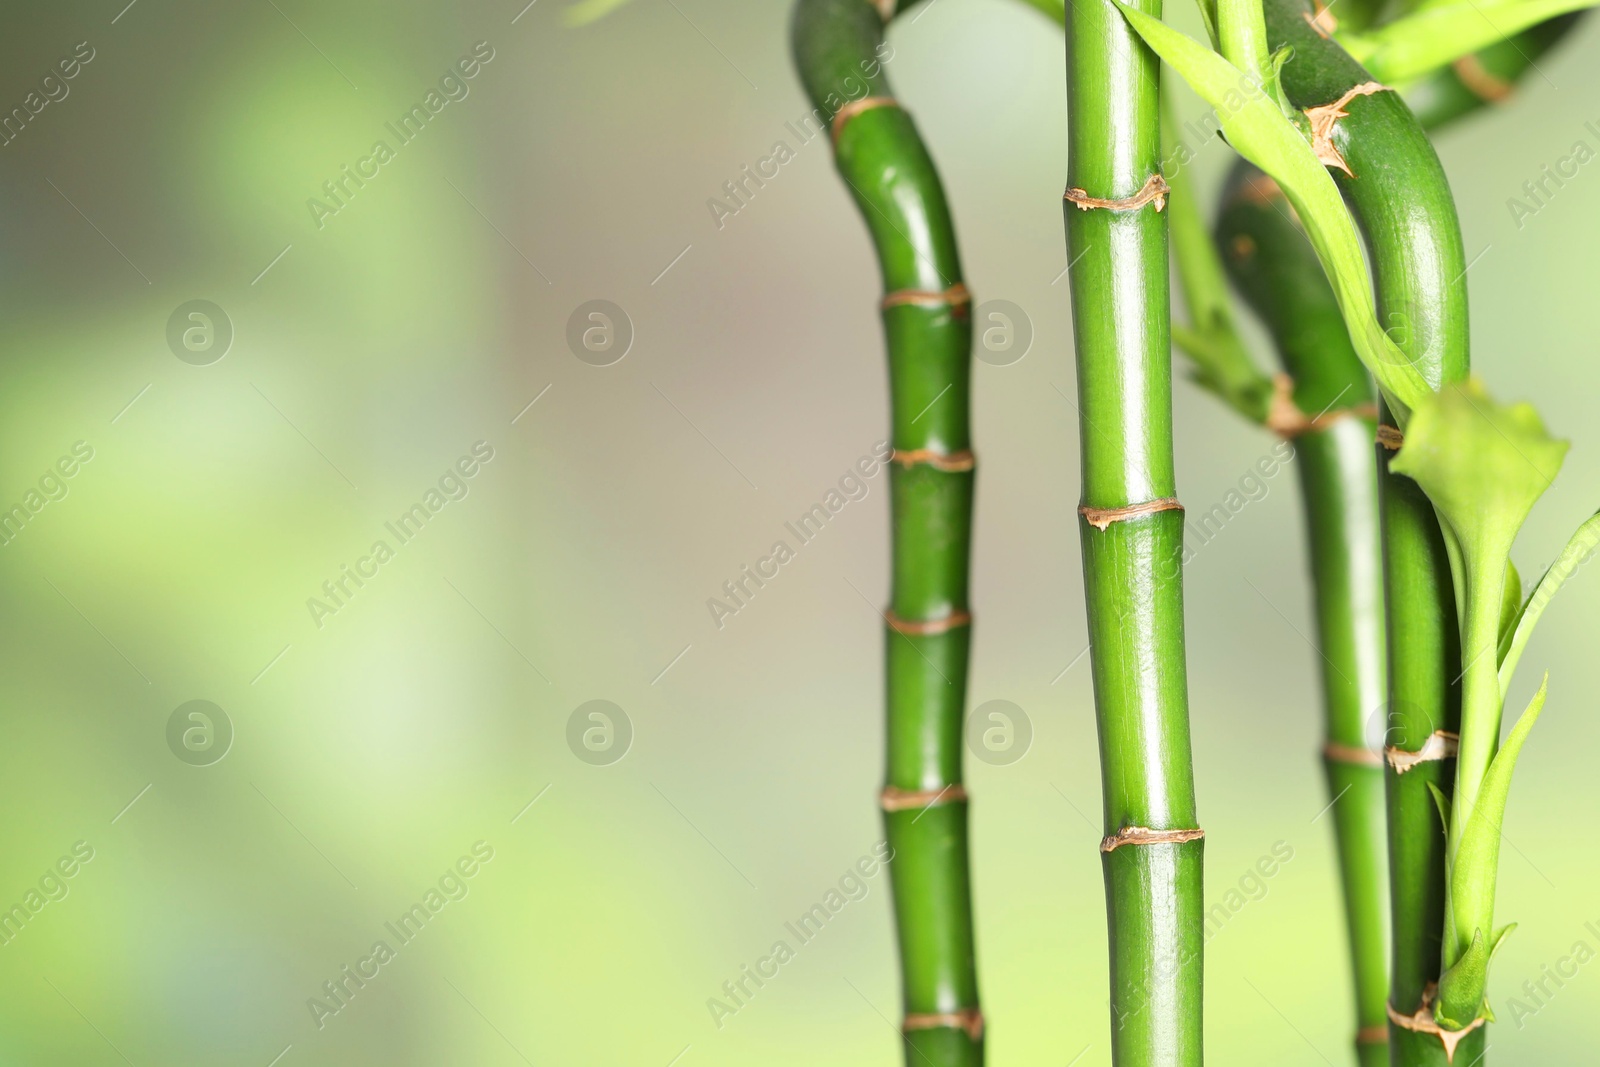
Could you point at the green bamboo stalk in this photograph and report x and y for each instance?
(1487, 78)
(839, 50)
(1332, 419)
(1398, 190)
(1131, 530)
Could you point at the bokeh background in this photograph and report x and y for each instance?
(370, 753)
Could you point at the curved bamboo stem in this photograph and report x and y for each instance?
(1275, 268)
(838, 47)
(1396, 187)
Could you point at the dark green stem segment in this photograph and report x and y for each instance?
(840, 51)
(1397, 190)
(1132, 558)
(1332, 422)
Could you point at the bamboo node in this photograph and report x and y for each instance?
(1390, 437)
(894, 798)
(885, 8)
(957, 297)
(1324, 117)
(968, 1019)
(1323, 21)
(1285, 418)
(1423, 1022)
(1373, 1035)
(1354, 755)
(1476, 78)
(963, 460)
(1154, 191)
(1142, 835)
(927, 627)
(856, 107)
(1440, 745)
(1100, 518)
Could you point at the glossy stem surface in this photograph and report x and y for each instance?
(840, 51)
(1133, 579)
(1273, 266)
(1397, 190)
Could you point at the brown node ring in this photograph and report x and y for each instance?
(1423, 1022)
(1285, 418)
(856, 107)
(1476, 78)
(1143, 835)
(1390, 437)
(968, 1019)
(1373, 1035)
(1354, 755)
(957, 298)
(963, 460)
(1100, 518)
(1440, 745)
(1324, 117)
(927, 627)
(1154, 191)
(885, 8)
(895, 799)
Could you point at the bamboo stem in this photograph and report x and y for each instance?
(838, 49)
(1396, 187)
(1133, 590)
(1277, 271)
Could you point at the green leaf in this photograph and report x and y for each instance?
(1440, 33)
(1477, 862)
(1510, 602)
(1576, 554)
(1483, 465)
(1441, 802)
(1461, 988)
(1260, 132)
(587, 11)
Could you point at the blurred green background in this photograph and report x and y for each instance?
(372, 753)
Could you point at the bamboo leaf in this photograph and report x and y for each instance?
(1483, 466)
(1260, 132)
(1477, 864)
(1510, 601)
(1578, 550)
(1441, 33)
(1442, 803)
